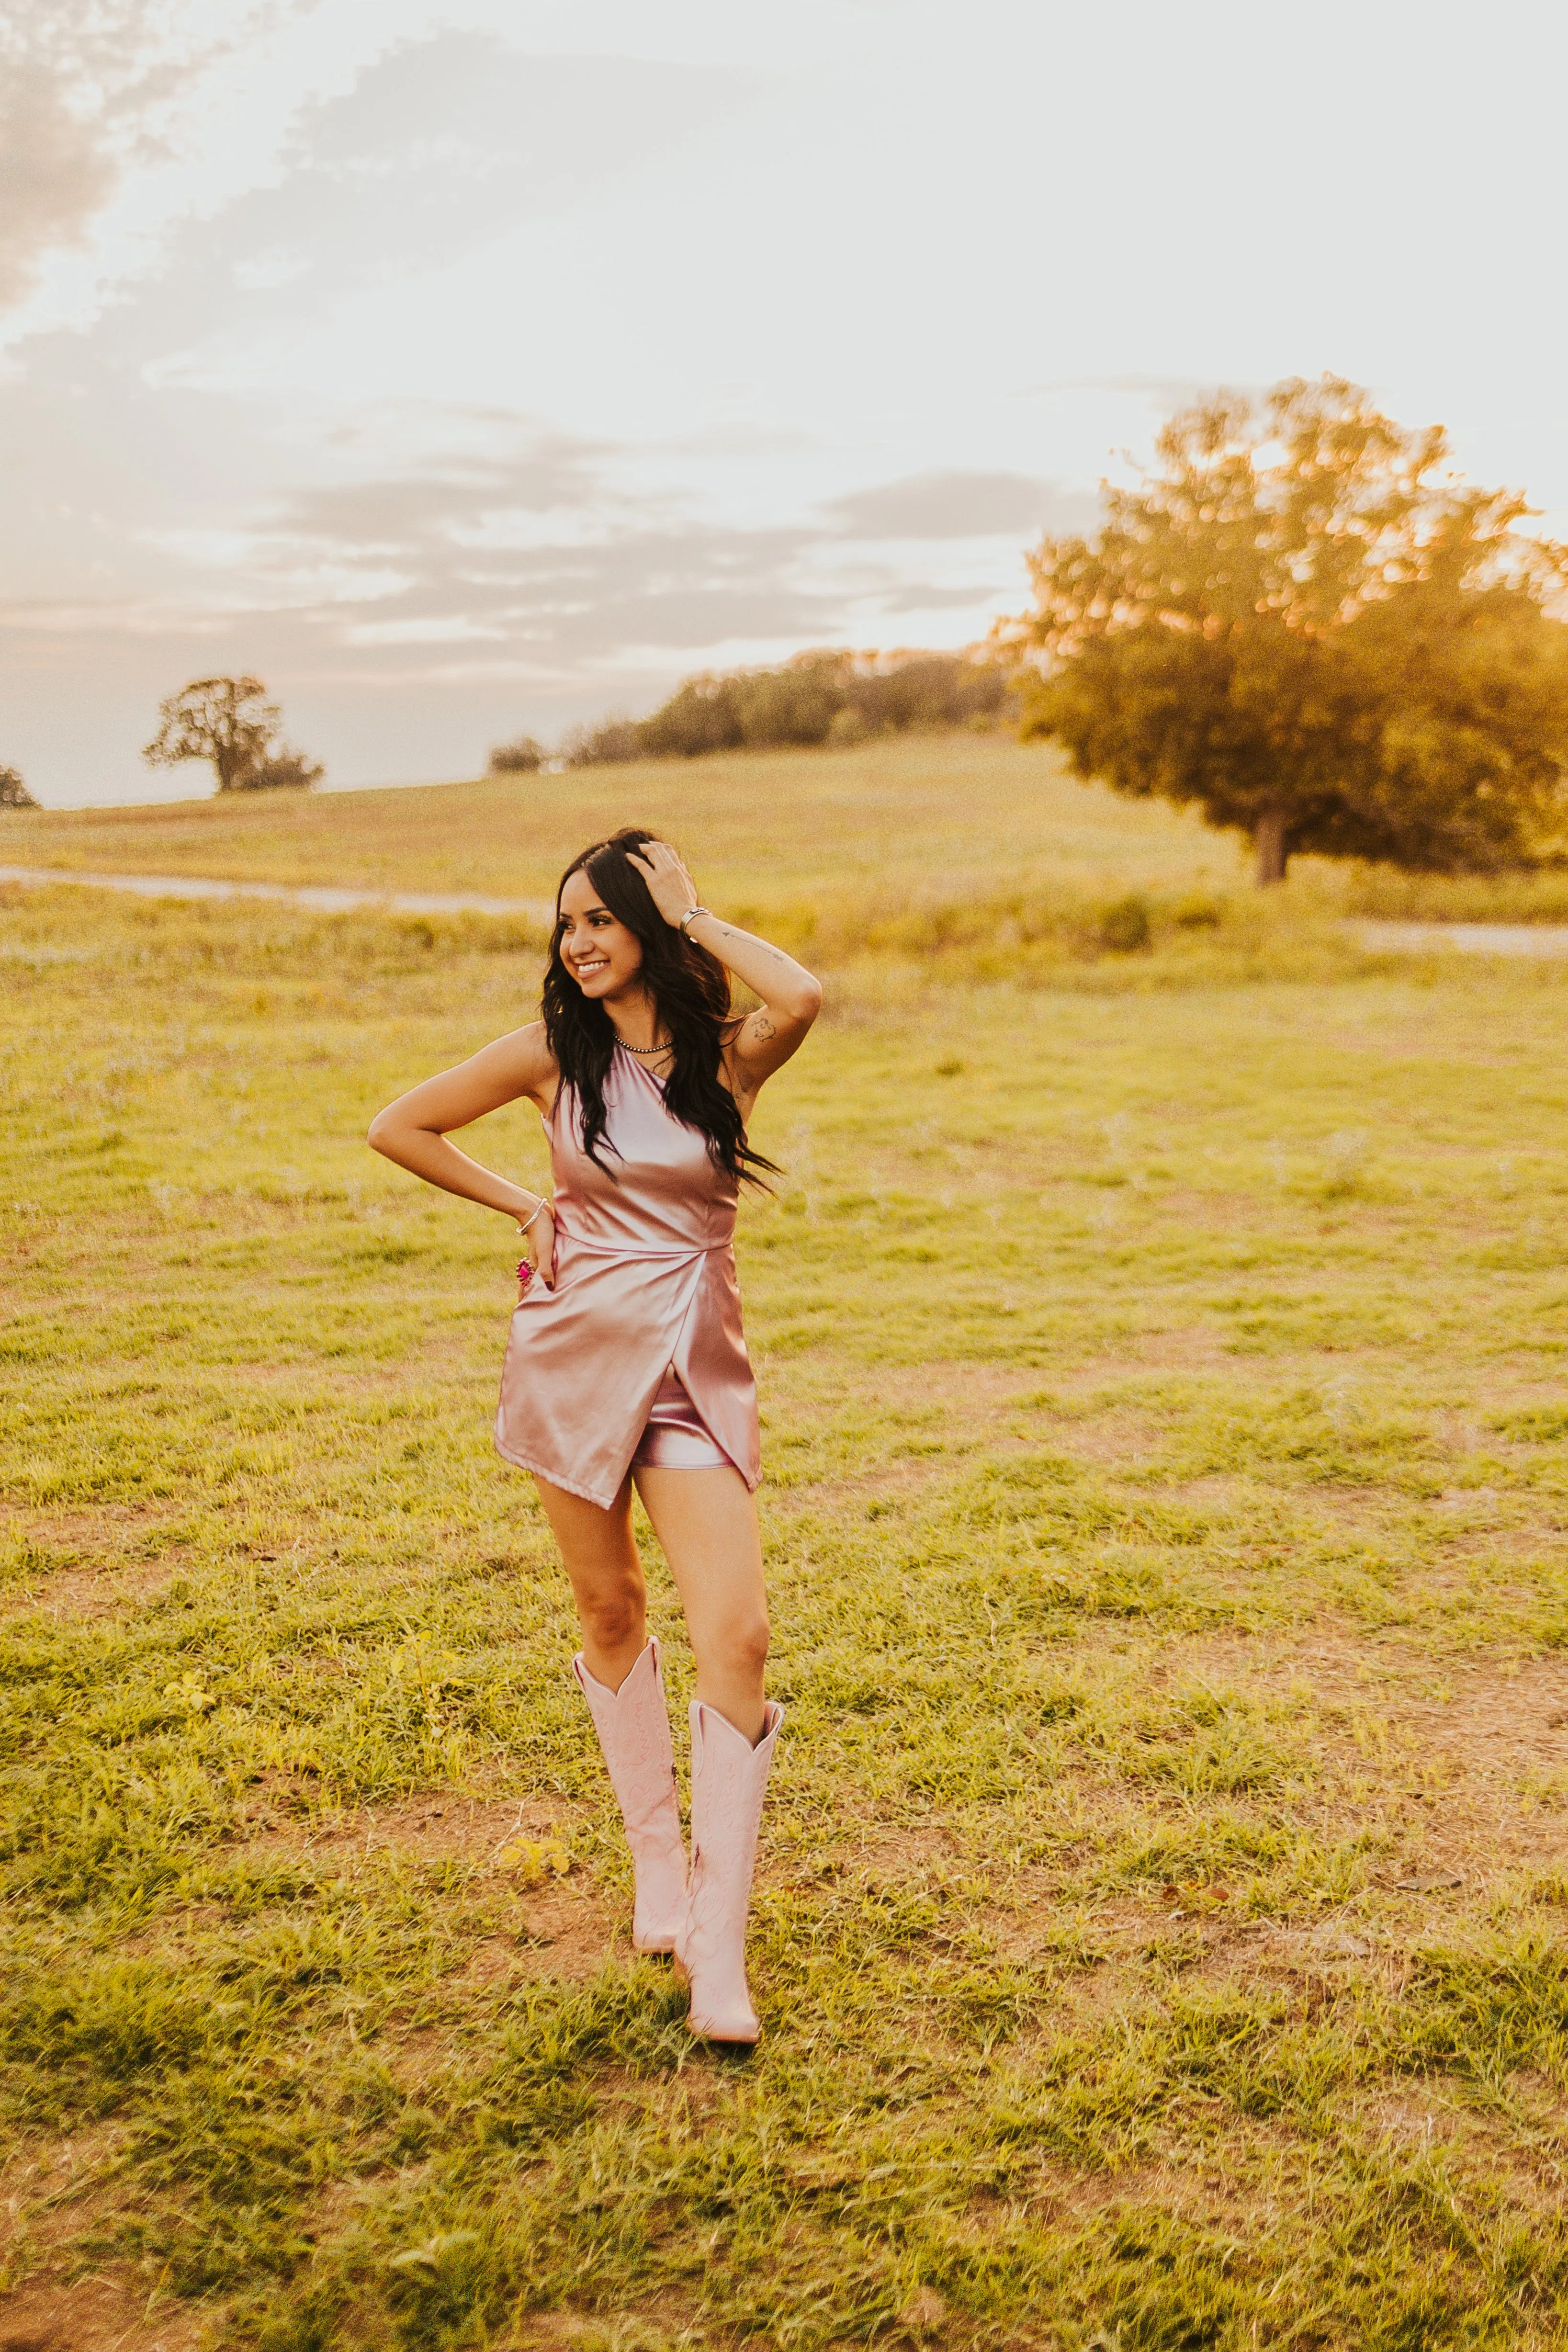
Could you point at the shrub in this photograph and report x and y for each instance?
(522, 757)
(850, 727)
(602, 746)
(927, 690)
(701, 715)
(284, 770)
(1125, 926)
(794, 705)
(14, 792)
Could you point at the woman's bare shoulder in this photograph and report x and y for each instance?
(521, 1062)
(530, 1038)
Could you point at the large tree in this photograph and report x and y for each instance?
(229, 721)
(1301, 621)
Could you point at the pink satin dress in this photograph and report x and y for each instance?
(637, 1356)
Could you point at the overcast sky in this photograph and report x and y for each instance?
(468, 366)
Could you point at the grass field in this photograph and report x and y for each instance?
(1160, 1930)
(851, 838)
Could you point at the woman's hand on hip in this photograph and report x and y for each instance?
(539, 1247)
(670, 886)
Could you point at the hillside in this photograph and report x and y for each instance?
(767, 826)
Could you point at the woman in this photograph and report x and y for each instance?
(626, 1363)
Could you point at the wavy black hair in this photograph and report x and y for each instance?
(690, 989)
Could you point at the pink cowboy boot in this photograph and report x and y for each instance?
(633, 1727)
(729, 1778)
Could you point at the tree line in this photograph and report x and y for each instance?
(820, 696)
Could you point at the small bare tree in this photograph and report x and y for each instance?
(14, 792)
(229, 721)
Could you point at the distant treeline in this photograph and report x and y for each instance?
(818, 698)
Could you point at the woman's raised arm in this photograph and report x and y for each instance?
(791, 996)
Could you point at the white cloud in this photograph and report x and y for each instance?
(954, 503)
(54, 172)
(89, 96)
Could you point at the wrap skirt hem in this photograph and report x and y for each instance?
(583, 1493)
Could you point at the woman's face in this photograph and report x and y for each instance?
(602, 956)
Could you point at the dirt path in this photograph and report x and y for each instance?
(1381, 938)
(1466, 939)
(318, 896)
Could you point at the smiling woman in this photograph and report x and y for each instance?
(627, 1364)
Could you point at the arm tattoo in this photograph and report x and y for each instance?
(761, 1028)
(729, 932)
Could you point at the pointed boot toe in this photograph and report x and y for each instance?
(737, 2024)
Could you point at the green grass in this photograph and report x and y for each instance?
(1166, 1454)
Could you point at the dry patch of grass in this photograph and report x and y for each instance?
(108, 2312)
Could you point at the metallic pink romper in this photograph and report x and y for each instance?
(637, 1356)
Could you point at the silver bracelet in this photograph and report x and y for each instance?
(543, 1204)
(691, 914)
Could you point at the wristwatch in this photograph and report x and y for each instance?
(691, 914)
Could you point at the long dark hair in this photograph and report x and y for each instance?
(690, 990)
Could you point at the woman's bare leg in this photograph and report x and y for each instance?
(706, 1522)
(606, 1574)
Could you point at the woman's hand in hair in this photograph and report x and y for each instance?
(670, 886)
(791, 997)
